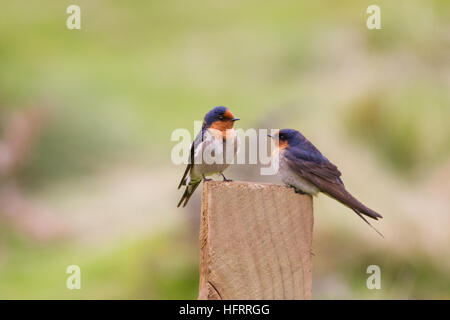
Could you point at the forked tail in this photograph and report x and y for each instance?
(188, 192)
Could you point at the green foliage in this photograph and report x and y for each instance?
(406, 126)
(157, 267)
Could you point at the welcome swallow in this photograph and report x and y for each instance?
(303, 167)
(212, 139)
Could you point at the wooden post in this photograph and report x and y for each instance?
(255, 242)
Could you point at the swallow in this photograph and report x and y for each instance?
(304, 168)
(216, 130)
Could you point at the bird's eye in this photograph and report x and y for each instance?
(221, 117)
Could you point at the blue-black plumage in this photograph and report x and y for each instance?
(303, 167)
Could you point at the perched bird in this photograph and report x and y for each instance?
(217, 139)
(304, 168)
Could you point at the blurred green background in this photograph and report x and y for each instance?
(86, 118)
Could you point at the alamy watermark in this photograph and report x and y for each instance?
(74, 280)
(74, 20)
(374, 20)
(260, 148)
(374, 280)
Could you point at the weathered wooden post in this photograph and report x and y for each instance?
(255, 242)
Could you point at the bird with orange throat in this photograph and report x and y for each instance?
(302, 167)
(210, 151)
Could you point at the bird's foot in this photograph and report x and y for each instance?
(225, 179)
(298, 191)
(205, 179)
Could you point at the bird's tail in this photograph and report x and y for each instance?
(190, 188)
(365, 220)
(344, 197)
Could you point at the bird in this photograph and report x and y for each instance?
(215, 139)
(302, 167)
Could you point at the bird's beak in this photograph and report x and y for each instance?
(270, 136)
(235, 119)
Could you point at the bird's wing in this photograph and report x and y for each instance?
(197, 141)
(313, 165)
(322, 173)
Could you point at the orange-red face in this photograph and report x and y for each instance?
(224, 122)
(282, 144)
(280, 141)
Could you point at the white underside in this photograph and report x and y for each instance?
(292, 178)
(210, 157)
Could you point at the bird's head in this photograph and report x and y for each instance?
(286, 138)
(219, 118)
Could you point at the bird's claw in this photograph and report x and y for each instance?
(299, 191)
(225, 179)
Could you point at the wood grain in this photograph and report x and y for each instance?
(255, 242)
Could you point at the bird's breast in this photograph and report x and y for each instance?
(215, 154)
(293, 178)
